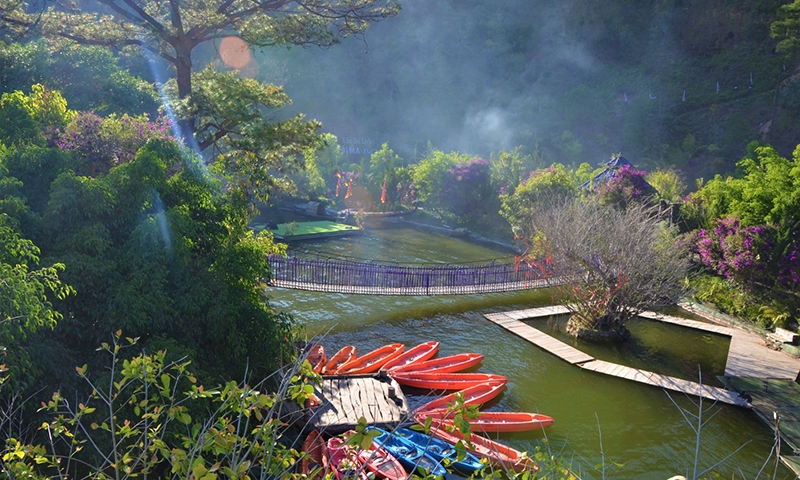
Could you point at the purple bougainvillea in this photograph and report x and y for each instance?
(627, 185)
(98, 143)
(468, 187)
(750, 255)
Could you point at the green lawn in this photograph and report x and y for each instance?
(302, 229)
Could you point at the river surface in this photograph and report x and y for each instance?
(638, 427)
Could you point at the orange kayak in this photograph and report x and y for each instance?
(341, 357)
(444, 381)
(499, 454)
(452, 363)
(420, 353)
(496, 422)
(372, 361)
(475, 395)
(315, 354)
(316, 456)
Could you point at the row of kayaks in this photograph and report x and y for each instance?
(346, 362)
(392, 455)
(417, 368)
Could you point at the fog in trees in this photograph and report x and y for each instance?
(664, 83)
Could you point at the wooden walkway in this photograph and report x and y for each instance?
(345, 399)
(475, 289)
(511, 322)
(666, 382)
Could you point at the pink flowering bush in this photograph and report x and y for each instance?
(98, 143)
(750, 256)
(468, 188)
(627, 185)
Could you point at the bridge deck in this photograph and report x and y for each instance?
(415, 291)
(371, 278)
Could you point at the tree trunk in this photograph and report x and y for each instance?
(183, 73)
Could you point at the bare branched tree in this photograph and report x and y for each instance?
(619, 262)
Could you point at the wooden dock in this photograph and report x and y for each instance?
(346, 398)
(749, 356)
(511, 322)
(666, 382)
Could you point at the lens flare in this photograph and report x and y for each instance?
(234, 52)
(161, 219)
(166, 105)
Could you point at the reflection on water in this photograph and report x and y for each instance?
(654, 346)
(641, 428)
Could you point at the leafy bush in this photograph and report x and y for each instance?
(98, 143)
(467, 190)
(149, 416)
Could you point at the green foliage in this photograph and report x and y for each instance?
(542, 188)
(726, 296)
(156, 247)
(255, 151)
(386, 166)
(431, 174)
(509, 169)
(668, 183)
(89, 76)
(766, 191)
(26, 296)
(787, 29)
(26, 119)
(149, 416)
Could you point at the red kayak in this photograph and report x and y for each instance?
(496, 422)
(315, 460)
(371, 362)
(477, 395)
(420, 353)
(444, 381)
(341, 357)
(382, 463)
(344, 461)
(315, 354)
(452, 363)
(499, 454)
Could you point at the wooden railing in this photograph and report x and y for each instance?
(370, 278)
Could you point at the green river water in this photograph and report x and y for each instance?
(641, 428)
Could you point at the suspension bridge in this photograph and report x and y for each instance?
(373, 278)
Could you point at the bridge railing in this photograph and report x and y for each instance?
(390, 279)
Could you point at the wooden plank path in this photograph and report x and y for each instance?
(685, 322)
(750, 358)
(511, 322)
(416, 291)
(666, 382)
(347, 398)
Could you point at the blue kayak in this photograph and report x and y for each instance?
(411, 456)
(440, 450)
